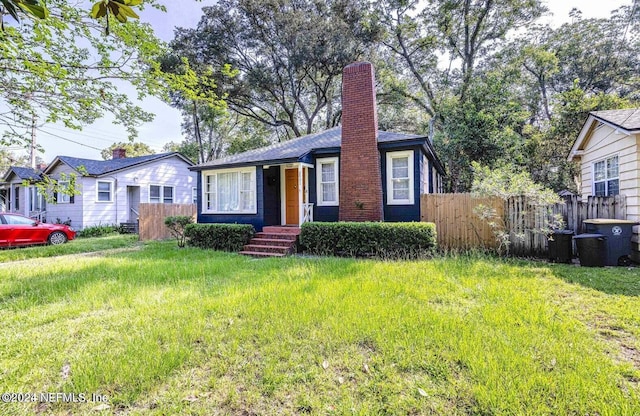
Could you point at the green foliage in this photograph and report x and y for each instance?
(176, 225)
(14, 8)
(133, 149)
(369, 239)
(98, 231)
(51, 188)
(508, 182)
(226, 237)
(63, 69)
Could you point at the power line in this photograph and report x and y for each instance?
(69, 140)
(82, 133)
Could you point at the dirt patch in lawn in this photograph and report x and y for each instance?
(43, 261)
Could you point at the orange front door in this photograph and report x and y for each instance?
(291, 192)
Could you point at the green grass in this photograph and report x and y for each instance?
(83, 245)
(167, 331)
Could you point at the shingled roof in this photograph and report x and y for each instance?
(25, 174)
(295, 149)
(92, 167)
(627, 119)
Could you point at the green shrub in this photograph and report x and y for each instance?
(176, 225)
(369, 239)
(227, 237)
(98, 231)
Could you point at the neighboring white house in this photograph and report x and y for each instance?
(19, 195)
(608, 150)
(112, 190)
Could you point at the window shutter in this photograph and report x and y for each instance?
(72, 199)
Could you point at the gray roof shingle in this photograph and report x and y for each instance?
(25, 174)
(628, 119)
(299, 147)
(102, 167)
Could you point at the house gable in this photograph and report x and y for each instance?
(609, 156)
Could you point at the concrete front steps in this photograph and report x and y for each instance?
(273, 241)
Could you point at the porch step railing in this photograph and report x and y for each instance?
(307, 213)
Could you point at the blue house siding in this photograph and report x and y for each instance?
(403, 213)
(257, 220)
(321, 213)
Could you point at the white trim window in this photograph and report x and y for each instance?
(606, 177)
(400, 178)
(104, 191)
(194, 195)
(63, 197)
(37, 201)
(159, 194)
(327, 181)
(230, 191)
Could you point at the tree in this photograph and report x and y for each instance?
(132, 149)
(8, 159)
(221, 134)
(120, 9)
(441, 51)
(65, 69)
(289, 54)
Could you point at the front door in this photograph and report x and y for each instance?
(133, 196)
(291, 192)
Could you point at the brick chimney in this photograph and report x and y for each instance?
(360, 176)
(119, 153)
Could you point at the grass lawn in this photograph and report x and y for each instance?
(167, 331)
(79, 245)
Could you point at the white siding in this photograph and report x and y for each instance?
(67, 211)
(88, 211)
(606, 142)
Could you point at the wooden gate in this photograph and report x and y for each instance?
(152, 219)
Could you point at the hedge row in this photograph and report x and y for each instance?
(227, 237)
(369, 239)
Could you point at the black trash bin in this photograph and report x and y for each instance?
(560, 246)
(592, 249)
(618, 233)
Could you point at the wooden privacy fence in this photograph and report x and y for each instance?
(456, 224)
(459, 227)
(151, 219)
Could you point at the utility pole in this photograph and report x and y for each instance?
(33, 141)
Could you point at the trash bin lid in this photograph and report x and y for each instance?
(580, 236)
(563, 232)
(608, 221)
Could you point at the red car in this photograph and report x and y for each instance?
(18, 230)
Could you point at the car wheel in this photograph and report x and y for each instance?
(57, 237)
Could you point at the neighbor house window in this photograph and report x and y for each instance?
(606, 181)
(194, 195)
(230, 191)
(400, 178)
(160, 194)
(62, 197)
(16, 198)
(105, 191)
(327, 181)
(36, 200)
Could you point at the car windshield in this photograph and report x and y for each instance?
(17, 220)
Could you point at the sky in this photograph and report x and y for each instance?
(87, 143)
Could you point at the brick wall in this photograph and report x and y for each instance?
(360, 175)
